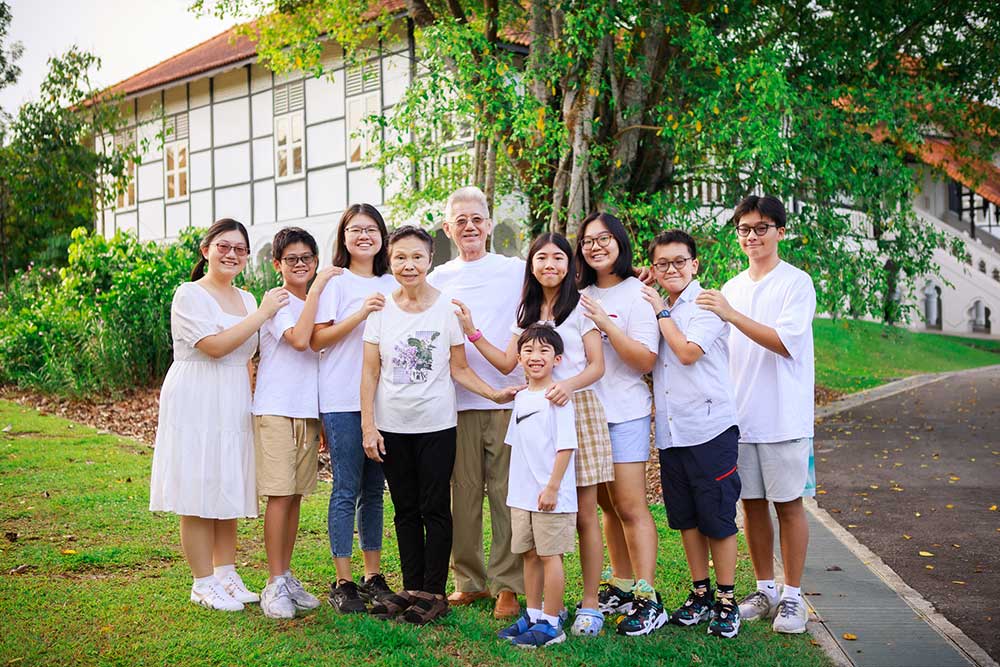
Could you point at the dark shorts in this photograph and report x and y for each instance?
(701, 485)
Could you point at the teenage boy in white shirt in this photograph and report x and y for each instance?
(771, 307)
(696, 434)
(542, 490)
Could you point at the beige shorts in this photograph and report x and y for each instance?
(287, 451)
(548, 533)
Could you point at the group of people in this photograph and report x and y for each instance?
(407, 372)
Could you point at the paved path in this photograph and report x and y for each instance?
(908, 468)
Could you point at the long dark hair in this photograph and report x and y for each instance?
(623, 265)
(218, 227)
(342, 258)
(530, 310)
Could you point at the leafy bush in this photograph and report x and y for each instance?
(101, 324)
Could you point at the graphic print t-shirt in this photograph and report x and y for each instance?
(415, 393)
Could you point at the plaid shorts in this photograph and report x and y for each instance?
(593, 455)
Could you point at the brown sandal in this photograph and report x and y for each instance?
(425, 608)
(393, 605)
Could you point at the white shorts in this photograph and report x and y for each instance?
(777, 471)
(630, 440)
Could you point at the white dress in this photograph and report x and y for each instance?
(203, 464)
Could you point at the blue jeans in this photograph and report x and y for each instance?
(358, 484)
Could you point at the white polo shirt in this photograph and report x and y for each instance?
(694, 403)
(774, 395)
(491, 287)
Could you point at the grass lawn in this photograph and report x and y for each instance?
(852, 355)
(104, 581)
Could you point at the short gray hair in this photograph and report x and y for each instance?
(468, 193)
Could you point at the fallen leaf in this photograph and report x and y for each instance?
(957, 546)
(7, 429)
(993, 508)
(852, 525)
(954, 478)
(21, 569)
(929, 567)
(916, 514)
(956, 581)
(837, 568)
(821, 492)
(926, 554)
(873, 486)
(907, 537)
(849, 636)
(69, 552)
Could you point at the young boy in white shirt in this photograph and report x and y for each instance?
(541, 493)
(286, 418)
(771, 307)
(696, 434)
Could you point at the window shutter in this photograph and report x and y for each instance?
(355, 80)
(297, 95)
(280, 100)
(373, 75)
(181, 126)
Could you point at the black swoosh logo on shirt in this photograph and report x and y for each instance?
(521, 418)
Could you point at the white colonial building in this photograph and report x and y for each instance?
(277, 150)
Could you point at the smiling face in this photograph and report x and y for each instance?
(409, 259)
(600, 249)
(297, 265)
(362, 237)
(763, 248)
(550, 265)
(674, 280)
(538, 358)
(469, 227)
(226, 264)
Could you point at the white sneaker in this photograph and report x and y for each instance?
(791, 616)
(302, 598)
(234, 585)
(214, 596)
(757, 605)
(276, 600)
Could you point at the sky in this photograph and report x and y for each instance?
(127, 35)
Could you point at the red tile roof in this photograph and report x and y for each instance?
(940, 153)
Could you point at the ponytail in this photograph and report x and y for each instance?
(198, 272)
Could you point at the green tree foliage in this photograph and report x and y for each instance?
(669, 111)
(54, 171)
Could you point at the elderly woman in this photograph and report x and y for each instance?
(413, 348)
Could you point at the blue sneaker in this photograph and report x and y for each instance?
(539, 634)
(518, 627)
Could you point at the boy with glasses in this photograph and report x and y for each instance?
(696, 434)
(286, 424)
(771, 307)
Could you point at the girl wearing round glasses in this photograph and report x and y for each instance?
(203, 464)
(612, 299)
(358, 482)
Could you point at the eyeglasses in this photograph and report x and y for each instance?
(224, 248)
(475, 221)
(293, 260)
(759, 230)
(665, 264)
(601, 239)
(362, 231)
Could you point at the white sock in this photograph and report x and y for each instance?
(204, 581)
(551, 620)
(287, 573)
(223, 570)
(534, 614)
(767, 587)
(791, 593)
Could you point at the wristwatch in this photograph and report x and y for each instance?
(663, 313)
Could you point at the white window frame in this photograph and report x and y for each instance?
(290, 146)
(131, 194)
(175, 147)
(359, 138)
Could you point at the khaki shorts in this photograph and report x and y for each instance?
(548, 533)
(287, 455)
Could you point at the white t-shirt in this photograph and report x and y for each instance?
(622, 390)
(415, 393)
(572, 330)
(694, 403)
(538, 429)
(286, 378)
(491, 288)
(340, 364)
(774, 395)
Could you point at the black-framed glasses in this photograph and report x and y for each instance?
(224, 248)
(293, 260)
(665, 264)
(603, 240)
(759, 230)
(475, 221)
(363, 231)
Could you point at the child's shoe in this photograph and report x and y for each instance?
(588, 622)
(757, 605)
(696, 609)
(521, 625)
(647, 615)
(612, 600)
(539, 634)
(725, 619)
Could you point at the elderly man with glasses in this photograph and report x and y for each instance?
(491, 284)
